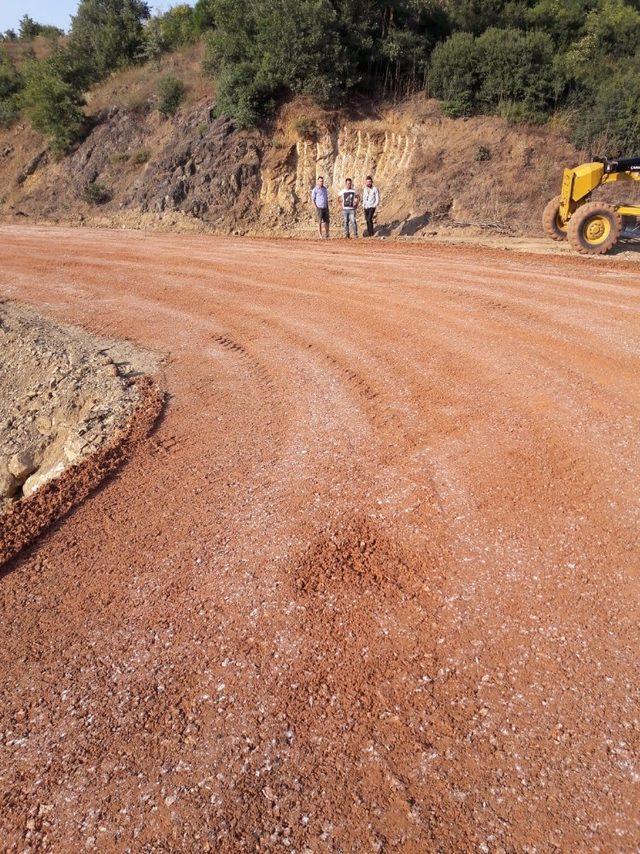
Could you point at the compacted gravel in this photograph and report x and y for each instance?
(372, 582)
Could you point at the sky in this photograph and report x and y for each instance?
(56, 12)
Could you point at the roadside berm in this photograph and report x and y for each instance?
(66, 397)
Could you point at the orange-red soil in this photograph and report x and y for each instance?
(372, 584)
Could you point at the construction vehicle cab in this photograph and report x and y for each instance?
(592, 228)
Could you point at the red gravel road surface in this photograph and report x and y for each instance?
(372, 583)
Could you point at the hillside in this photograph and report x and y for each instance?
(198, 171)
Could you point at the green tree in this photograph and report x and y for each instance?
(10, 83)
(203, 15)
(28, 28)
(455, 74)
(517, 67)
(239, 96)
(563, 20)
(178, 26)
(9, 77)
(153, 42)
(611, 125)
(263, 48)
(108, 34)
(52, 102)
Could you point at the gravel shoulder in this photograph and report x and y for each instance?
(371, 584)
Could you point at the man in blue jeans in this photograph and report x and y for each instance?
(320, 199)
(350, 201)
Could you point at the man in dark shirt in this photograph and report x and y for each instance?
(350, 201)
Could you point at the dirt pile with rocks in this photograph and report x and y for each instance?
(64, 396)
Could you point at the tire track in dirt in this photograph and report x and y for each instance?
(375, 588)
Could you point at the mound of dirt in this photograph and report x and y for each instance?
(64, 397)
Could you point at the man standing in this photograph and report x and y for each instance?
(350, 201)
(320, 198)
(371, 201)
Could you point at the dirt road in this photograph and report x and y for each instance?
(373, 582)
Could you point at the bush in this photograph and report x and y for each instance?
(483, 154)
(10, 83)
(141, 156)
(171, 91)
(506, 71)
(515, 66)
(454, 74)
(95, 193)
(261, 49)
(107, 35)
(9, 112)
(118, 157)
(178, 27)
(52, 103)
(306, 128)
(239, 97)
(612, 123)
(203, 17)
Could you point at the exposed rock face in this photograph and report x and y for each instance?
(209, 172)
(200, 171)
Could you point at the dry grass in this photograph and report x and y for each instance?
(137, 86)
(20, 51)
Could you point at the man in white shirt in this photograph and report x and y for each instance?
(371, 200)
(350, 201)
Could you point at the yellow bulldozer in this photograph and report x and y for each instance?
(592, 228)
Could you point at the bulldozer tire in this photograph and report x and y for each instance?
(551, 222)
(594, 228)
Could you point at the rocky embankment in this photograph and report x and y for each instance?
(64, 397)
(198, 171)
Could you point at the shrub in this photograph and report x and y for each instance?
(203, 16)
(95, 193)
(178, 27)
(53, 104)
(515, 66)
(306, 128)
(454, 74)
(118, 157)
(612, 124)
(141, 156)
(10, 81)
(239, 97)
(107, 34)
(9, 112)
(171, 91)
(483, 154)
(261, 49)
(28, 28)
(507, 71)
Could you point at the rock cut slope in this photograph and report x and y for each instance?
(197, 171)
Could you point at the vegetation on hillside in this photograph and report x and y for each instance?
(522, 59)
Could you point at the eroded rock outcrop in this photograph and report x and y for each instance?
(199, 171)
